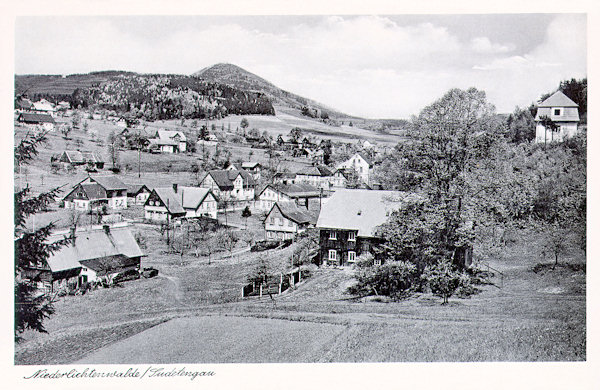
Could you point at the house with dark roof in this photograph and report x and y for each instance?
(299, 193)
(349, 219)
(230, 184)
(169, 141)
(75, 158)
(318, 175)
(252, 167)
(37, 121)
(361, 164)
(168, 203)
(101, 251)
(286, 219)
(284, 178)
(95, 192)
(563, 112)
(137, 193)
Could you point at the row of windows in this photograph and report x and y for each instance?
(351, 235)
(280, 221)
(333, 256)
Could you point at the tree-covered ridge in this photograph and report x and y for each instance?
(152, 97)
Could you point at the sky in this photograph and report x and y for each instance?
(374, 66)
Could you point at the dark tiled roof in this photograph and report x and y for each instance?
(298, 214)
(109, 182)
(30, 117)
(297, 190)
(319, 170)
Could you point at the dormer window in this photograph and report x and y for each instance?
(557, 111)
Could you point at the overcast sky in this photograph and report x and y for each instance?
(371, 66)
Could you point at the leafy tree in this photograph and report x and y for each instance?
(65, 130)
(76, 120)
(295, 134)
(112, 146)
(442, 279)
(520, 126)
(32, 306)
(244, 123)
(85, 126)
(246, 213)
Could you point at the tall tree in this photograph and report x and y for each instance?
(32, 306)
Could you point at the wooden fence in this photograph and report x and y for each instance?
(276, 285)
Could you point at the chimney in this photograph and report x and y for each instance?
(106, 229)
(175, 187)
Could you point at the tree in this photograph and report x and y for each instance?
(226, 239)
(85, 126)
(65, 130)
(32, 306)
(244, 123)
(295, 134)
(113, 149)
(246, 213)
(520, 126)
(76, 120)
(443, 279)
(394, 279)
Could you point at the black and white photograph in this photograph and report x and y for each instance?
(196, 192)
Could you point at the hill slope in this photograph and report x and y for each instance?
(239, 78)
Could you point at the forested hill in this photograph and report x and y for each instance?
(151, 97)
(239, 78)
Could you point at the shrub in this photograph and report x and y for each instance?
(395, 279)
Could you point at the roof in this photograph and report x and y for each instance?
(93, 190)
(74, 156)
(361, 210)
(558, 99)
(133, 188)
(318, 170)
(295, 190)
(93, 244)
(291, 210)
(364, 157)
(225, 177)
(164, 135)
(92, 156)
(31, 117)
(191, 197)
(109, 182)
(250, 164)
(285, 175)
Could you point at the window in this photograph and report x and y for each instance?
(280, 221)
(332, 255)
(351, 256)
(377, 262)
(290, 223)
(557, 111)
(351, 236)
(272, 220)
(332, 235)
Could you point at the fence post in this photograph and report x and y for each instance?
(243, 291)
(260, 293)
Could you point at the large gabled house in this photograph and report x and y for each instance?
(252, 167)
(286, 219)
(169, 141)
(319, 176)
(168, 203)
(230, 184)
(299, 193)
(37, 121)
(137, 193)
(563, 112)
(95, 192)
(348, 221)
(361, 164)
(90, 254)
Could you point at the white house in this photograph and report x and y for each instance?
(97, 191)
(169, 141)
(37, 121)
(44, 107)
(180, 202)
(286, 219)
(230, 184)
(361, 164)
(319, 176)
(297, 193)
(563, 112)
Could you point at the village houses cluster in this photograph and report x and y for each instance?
(317, 196)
